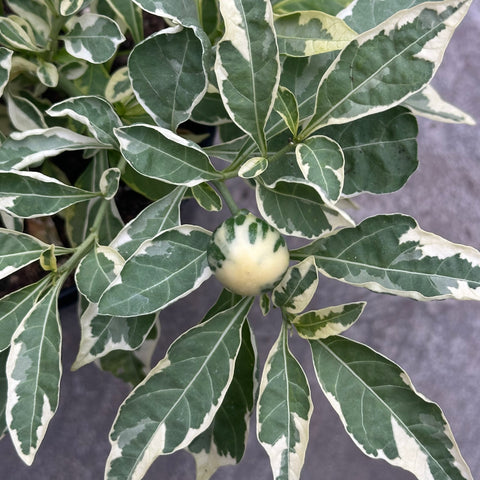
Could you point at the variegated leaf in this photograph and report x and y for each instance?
(18, 250)
(15, 306)
(32, 194)
(253, 167)
(103, 334)
(207, 197)
(183, 12)
(30, 148)
(170, 89)
(5, 66)
(92, 37)
(92, 111)
(13, 36)
(247, 65)
(69, 7)
(296, 209)
(3, 392)
(81, 216)
(306, 33)
(323, 323)
(224, 441)
(23, 114)
(265, 305)
(385, 65)
(33, 372)
(119, 87)
(391, 254)
(286, 106)
(150, 222)
(362, 15)
(284, 410)
(428, 103)
(47, 73)
(188, 384)
(332, 7)
(297, 286)
(161, 271)
(38, 14)
(322, 163)
(161, 154)
(130, 15)
(96, 271)
(109, 182)
(380, 151)
(383, 413)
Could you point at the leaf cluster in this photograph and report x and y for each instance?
(312, 103)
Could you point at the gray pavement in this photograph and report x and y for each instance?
(436, 343)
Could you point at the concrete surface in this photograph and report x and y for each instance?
(436, 343)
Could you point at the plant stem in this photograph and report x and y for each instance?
(68, 267)
(227, 196)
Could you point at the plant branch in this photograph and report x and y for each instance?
(227, 196)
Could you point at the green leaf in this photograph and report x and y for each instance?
(384, 66)
(183, 12)
(96, 271)
(264, 301)
(207, 197)
(210, 110)
(69, 7)
(159, 216)
(383, 413)
(30, 148)
(130, 15)
(284, 410)
(183, 162)
(286, 106)
(5, 66)
(332, 7)
(296, 209)
(391, 254)
(253, 167)
(428, 103)
(380, 151)
(247, 65)
(362, 15)
(94, 112)
(17, 250)
(322, 162)
(33, 373)
(306, 33)
(31, 194)
(24, 114)
(94, 80)
(13, 36)
(104, 334)
(224, 441)
(161, 271)
(297, 286)
(180, 396)
(92, 37)
(169, 89)
(3, 392)
(323, 323)
(15, 306)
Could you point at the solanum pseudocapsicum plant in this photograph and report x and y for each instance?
(314, 102)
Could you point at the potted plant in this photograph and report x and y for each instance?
(313, 104)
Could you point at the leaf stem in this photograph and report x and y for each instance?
(227, 196)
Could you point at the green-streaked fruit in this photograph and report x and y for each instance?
(247, 255)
